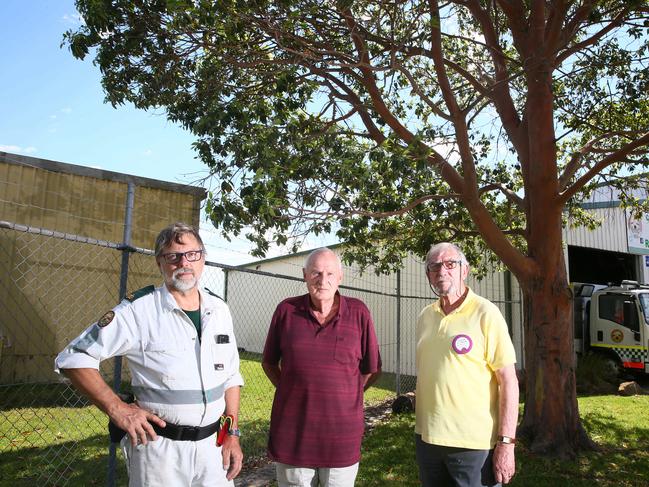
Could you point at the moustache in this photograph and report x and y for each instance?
(183, 270)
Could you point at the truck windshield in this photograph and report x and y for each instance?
(644, 303)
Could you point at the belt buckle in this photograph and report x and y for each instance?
(190, 433)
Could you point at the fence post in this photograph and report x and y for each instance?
(508, 301)
(123, 280)
(398, 367)
(225, 284)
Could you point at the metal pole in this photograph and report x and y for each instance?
(226, 275)
(398, 371)
(123, 280)
(508, 301)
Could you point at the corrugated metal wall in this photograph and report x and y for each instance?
(611, 235)
(379, 292)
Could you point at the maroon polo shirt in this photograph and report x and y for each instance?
(317, 416)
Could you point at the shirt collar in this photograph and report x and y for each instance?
(437, 306)
(169, 302)
(342, 303)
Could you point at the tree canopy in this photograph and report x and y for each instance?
(379, 120)
(401, 123)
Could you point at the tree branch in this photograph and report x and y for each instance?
(501, 95)
(569, 34)
(508, 193)
(514, 10)
(378, 214)
(416, 89)
(469, 185)
(352, 98)
(554, 25)
(601, 165)
(448, 173)
(575, 161)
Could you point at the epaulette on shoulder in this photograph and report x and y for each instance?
(211, 293)
(139, 293)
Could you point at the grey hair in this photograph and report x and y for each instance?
(439, 247)
(322, 250)
(174, 233)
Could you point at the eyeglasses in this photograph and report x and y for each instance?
(175, 257)
(448, 264)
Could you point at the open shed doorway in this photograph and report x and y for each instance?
(600, 266)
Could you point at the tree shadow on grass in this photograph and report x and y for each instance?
(638, 435)
(254, 441)
(388, 455)
(623, 461)
(73, 463)
(622, 458)
(39, 395)
(85, 462)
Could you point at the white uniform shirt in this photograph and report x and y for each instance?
(173, 374)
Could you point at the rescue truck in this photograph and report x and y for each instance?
(614, 321)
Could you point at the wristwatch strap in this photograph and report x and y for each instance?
(508, 440)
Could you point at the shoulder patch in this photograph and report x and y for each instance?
(139, 293)
(211, 293)
(106, 319)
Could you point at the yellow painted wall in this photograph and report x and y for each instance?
(52, 288)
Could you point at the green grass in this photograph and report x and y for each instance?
(46, 445)
(620, 425)
(49, 435)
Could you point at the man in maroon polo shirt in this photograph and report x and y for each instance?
(321, 353)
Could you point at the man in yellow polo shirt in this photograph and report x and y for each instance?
(467, 390)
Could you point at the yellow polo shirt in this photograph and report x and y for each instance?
(457, 390)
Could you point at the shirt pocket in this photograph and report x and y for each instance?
(345, 350)
(169, 360)
(222, 349)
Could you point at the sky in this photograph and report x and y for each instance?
(52, 107)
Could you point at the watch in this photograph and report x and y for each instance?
(508, 440)
(234, 432)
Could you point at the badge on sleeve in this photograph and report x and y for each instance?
(106, 319)
(462, 344)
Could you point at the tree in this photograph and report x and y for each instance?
(397, 124)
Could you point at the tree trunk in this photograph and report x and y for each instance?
(551, 422)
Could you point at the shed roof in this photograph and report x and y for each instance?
(62, 167)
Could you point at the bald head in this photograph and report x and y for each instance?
(323, 273)
(323, 251)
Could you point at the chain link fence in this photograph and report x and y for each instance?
(53, 285)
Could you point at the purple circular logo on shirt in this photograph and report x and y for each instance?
(462, 344)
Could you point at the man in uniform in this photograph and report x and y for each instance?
(184, 365)
(467, 390)
(321, 352)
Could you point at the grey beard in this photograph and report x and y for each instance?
(182, 285)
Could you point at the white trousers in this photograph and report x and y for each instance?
(292, 476)
(169, 463)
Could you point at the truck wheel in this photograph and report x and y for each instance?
(615, 367)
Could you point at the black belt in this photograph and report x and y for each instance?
(174, 432)
(186, 433)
